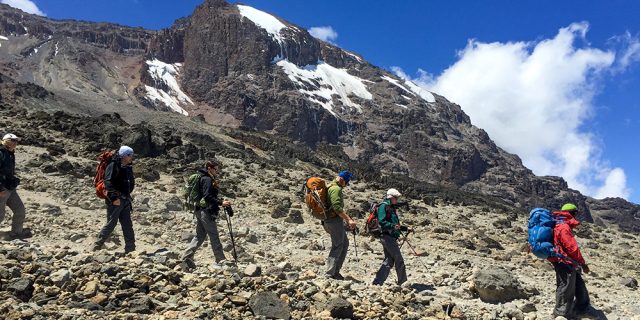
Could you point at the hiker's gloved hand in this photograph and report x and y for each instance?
(229, 211)
(585, 268)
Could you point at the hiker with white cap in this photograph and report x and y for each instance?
(390, 232)
(119, 183)
(8, 188)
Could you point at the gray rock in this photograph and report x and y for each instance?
(252, 238)
(141, 305)
(496, 285)
(110, 269)
(22, 288)
(51, 210)
(252, 270)
(186, 236)
(295, 216)
(77, 236)
(339, 308)
(103, 258)
(60, 277)
(629, 282)
(173, 204)
(267, 304)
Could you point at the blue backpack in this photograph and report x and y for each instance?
(540, 228)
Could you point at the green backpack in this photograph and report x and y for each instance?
(191, 192)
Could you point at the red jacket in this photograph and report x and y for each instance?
(563, 238)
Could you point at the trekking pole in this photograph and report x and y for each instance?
(355, 243)
(404, 239)
(227, 210)
(406, 236)
(417, 255)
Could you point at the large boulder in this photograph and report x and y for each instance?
(339, 308)
(22, 288)
(267, 304)
(496, 285)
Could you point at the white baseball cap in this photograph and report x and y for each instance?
(393, 193)
(10, 136)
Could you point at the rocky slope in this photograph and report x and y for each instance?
(469, 260)
(236, 67)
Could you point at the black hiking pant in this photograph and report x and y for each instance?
(571, 292)
(120, 213)
(392, 258)
(205, 226)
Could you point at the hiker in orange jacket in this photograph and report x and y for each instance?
(571, 292)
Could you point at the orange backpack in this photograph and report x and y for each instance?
(317, 199)
(104, 158)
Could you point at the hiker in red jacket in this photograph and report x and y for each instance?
(571, 292)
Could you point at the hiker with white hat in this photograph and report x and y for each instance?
(119, 183)
(8, 188)
(390, 228)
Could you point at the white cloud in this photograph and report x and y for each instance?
(533, 98)
(25, 5)
(326, 34)
(615, 185)
(630, 51)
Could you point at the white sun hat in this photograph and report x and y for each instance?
(393, 193)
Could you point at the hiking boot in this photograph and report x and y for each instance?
(336, 276)
(96, 246)
(188, 265)
(127, 250)
(26, 233)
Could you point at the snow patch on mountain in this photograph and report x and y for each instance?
(3, 38)
(321, 82)
(424, 94)
(413, 89)
(353, 55)
(263, 20)
(166, 74)
(397, 83)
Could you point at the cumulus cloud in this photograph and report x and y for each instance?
(326, 34)
(533, 98)
(25, 5)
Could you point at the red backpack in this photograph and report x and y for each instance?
(372, 226)
(104, 158)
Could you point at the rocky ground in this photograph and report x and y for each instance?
(464, 262)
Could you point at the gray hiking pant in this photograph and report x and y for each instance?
(205, 225)
(392, 257)
(339, 245)
(120, 213)
(12, 199)
(571, 291)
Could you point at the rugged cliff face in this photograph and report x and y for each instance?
(237, 67)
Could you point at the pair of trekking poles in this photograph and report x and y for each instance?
(228, 213)
(405, 239)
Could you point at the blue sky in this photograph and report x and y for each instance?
(556, 82)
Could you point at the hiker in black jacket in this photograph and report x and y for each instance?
(206, 213)
(119, 182)
(8, 184)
